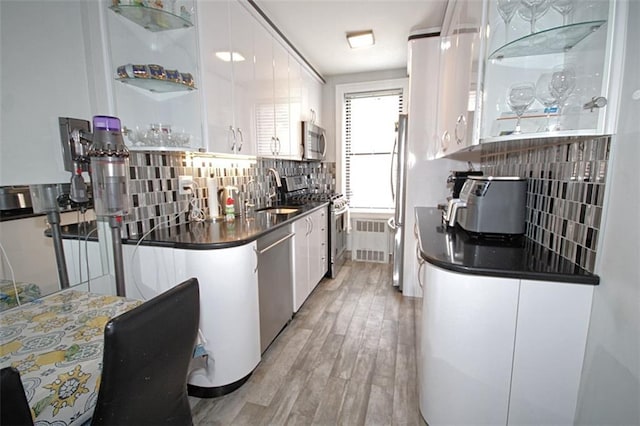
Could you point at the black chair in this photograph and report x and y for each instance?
(14, 408)
(146, 358)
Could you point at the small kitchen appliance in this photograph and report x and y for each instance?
(313, 141)
(457, 178)
(492, 206)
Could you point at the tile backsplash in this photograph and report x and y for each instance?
(565, 191)
(153, 185)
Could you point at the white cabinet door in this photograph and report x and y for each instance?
(281, 101)
(460, 76)
(301, 261)
(318, 250)
(264, 91)
(312, 104)
(217, 84)
(227, 49)
(468, 329)
(593, 50)
(229, 311)
(296, 103)
(242, 26)
(553, 320)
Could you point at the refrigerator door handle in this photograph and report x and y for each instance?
(393, 154)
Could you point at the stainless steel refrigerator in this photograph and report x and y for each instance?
(398, 185)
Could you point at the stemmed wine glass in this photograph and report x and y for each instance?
(545, 97)
(519, 98)
(531, 10)
(506, 9)
(564, 7)
(563, 81)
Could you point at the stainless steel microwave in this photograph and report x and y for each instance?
(313, 141)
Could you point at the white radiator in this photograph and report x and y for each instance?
(370, 240)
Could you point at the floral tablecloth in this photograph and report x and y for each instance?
(56, 343)
(26, 292)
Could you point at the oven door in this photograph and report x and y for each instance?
(338, 239)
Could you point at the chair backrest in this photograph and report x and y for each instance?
(14, 408)
(146, 358)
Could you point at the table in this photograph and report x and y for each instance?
(27, 292)
(56, 343)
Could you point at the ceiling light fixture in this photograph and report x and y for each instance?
(360, 39)
(229, 56)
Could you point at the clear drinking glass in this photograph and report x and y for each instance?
(519, 98)
(532, 10)
(564, 7)
(545, 97)
(563, 81)
(506, 9)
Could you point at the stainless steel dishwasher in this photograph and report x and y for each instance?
(275, 283)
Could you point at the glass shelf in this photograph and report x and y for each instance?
(156, 86)
(151, 18)
(554, 40)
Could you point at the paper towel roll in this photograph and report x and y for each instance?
(212, 198)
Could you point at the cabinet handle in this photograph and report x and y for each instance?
(272, 245)
(445, 140)
(273, 145)
(233, 133)
(421, 263)
(241, 139)
(278, 145)
(461, 129)
(256, 253)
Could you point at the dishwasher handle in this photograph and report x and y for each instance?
(272, 245)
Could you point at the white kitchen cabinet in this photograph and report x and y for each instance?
(590, 41)
(551, 336)
(143, 36)
(310, 261)
(501, 350)
(468, 328)
(461, 66)
(229, 312)
(297, 101)
(227, 50)
(312, 97)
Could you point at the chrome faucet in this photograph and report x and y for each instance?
(274, 194)
(276, 175)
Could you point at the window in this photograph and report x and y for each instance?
(369, 137)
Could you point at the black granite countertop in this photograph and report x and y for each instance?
(457, 250)
(204, 235)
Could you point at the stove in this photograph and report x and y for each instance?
(295, 190)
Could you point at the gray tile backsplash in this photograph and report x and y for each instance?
(153, 184)
(565, 192)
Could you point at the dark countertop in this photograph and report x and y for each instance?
(204, 235)
(456, 250)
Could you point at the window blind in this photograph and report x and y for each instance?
(369, 133)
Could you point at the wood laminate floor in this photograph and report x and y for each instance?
(347, 357)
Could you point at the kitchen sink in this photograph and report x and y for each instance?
(278, 210)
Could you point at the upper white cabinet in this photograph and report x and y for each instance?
(461, 64)
(556, 70)
(154, 64)
(227, 53)
(273, 105)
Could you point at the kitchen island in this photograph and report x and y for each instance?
(503, 328)
(224, 257)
